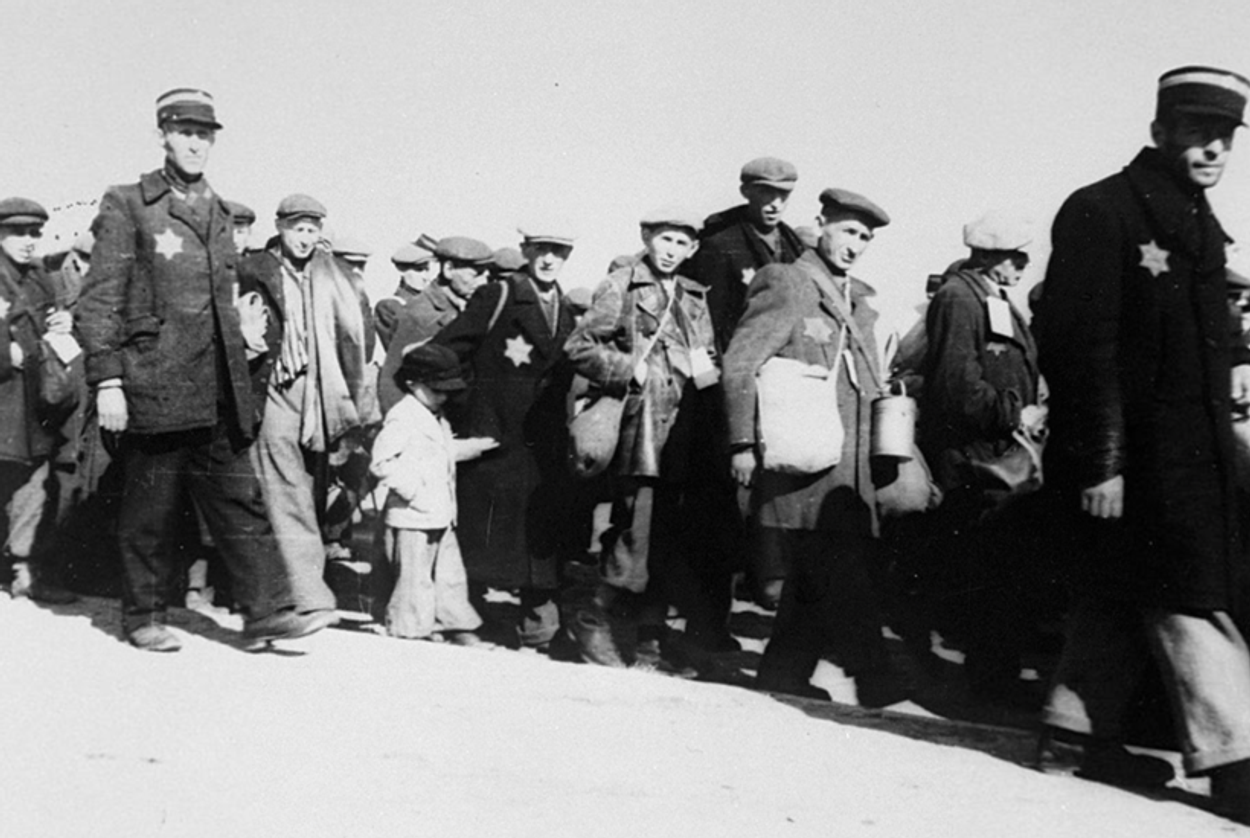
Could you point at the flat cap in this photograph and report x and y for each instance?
(14, 211)
(434, 365)
(770, 171)
(464, 249)
(508, 259)
(673, 216)
(1203, 90)
(996, 231)
(844, 200)
(301, 206)
(241, 213)
(410, 254)
(186, 104)
(350, 248)
(547, 231)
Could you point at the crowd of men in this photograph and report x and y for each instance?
(722, 393)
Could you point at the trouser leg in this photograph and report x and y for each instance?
(153, 473)
(1206, 668)
(451, 586)
(227, 492)
(412, 607)
(287, 475)
(25, 506)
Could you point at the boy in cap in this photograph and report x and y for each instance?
(514, 502)
(462, 265)
(30, 310)
(647, 338)
(165, 354)
(1135, 343)
(414, 458)
(417, 267)
(319, 388)
(819, 528)
(242, 217)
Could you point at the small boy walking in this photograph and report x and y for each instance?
(415, 458)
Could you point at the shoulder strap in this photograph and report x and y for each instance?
(503, 301)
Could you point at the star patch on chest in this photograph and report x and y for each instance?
(817, 328)
(5, 305)
(996, 348)
(1154, 258)
(168, 244)
(748, 274)
(518, 351)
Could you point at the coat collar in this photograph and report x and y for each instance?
(1177, 209)
(153, 187)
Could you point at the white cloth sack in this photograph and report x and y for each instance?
(800, 428)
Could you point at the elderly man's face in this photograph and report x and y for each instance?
(19, 241)
(417, 277)
(299, 236)
(1007, 267)
(1199, 146)
(187, 145)
(843, 239)
(463, 278)
(765, 204)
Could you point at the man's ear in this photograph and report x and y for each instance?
(1158, 133)
(646, 234)
(694, 248)
(742, 190)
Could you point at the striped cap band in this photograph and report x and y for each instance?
(1203, 90)
(187, 104)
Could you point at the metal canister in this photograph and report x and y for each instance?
(893, 426)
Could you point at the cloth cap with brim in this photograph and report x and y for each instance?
(464, 249)
(508, 259)
(409, 255)
(21, 211)
(241, 213)
(996, 231)
(435, 366)
(673, 216)
(300, 206)
(833, 201)
(769, 171)
(547, 232)
(350, 248)
(186, 104)
(1205, 91)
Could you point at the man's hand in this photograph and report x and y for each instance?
(110, 405)
(742, 466)
(1106, 500)
(59, 322)
(16, 355)
(1241, 386)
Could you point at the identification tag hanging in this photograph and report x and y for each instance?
(1000, 316)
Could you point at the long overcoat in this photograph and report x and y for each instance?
(157, 310)
(514, 500)
(625, 317)
(975, 380)
(25, 298)
(789, 315)
(420, 319)
(1135, 343)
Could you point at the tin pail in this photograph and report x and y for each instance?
(894, 427)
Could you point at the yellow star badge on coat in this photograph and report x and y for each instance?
(1154, 258)
(518, 351)
(168, 244)
(817, 328)
(748, 274)
(5, 305)
(996, 348)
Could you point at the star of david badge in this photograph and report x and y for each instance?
(5, 305)
(748, 274)
(168, 244)
(996, 348)
(1154, 258)
(817, 328)
(518, 351)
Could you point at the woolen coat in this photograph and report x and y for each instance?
(975, 381)
(513, 500)
(25, 299)
(420, 319)
(1135, 344)
(626, 317)
(157, 310)
(789, 315)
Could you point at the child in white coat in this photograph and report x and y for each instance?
(415, 458)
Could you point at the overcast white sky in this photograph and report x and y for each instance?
(470, 117)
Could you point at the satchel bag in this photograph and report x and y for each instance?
(800, 428)
(593, 432)
(1015, 472)
(59, 384)
(904, 487)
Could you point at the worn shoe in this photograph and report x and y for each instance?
(1230, 791)
(594, 637)
(539, 625)
(27, 584)
(154, 637)
(874, 691)
(288, 625)
(1113, 764)
(468, 639)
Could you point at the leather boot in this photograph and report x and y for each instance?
(28, 583)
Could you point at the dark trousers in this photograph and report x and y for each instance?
(158, 472)
(828, 609)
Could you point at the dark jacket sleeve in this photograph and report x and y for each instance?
(599, 347)
(465, 334)
(1079, 338)
(956, 334)
(99, 312)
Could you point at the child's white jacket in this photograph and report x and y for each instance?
(414, 456)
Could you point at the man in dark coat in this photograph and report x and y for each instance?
(166, 358)
(417, 268)
(1135, 341)
(514, 500)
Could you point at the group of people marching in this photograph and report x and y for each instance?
(722, 393)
